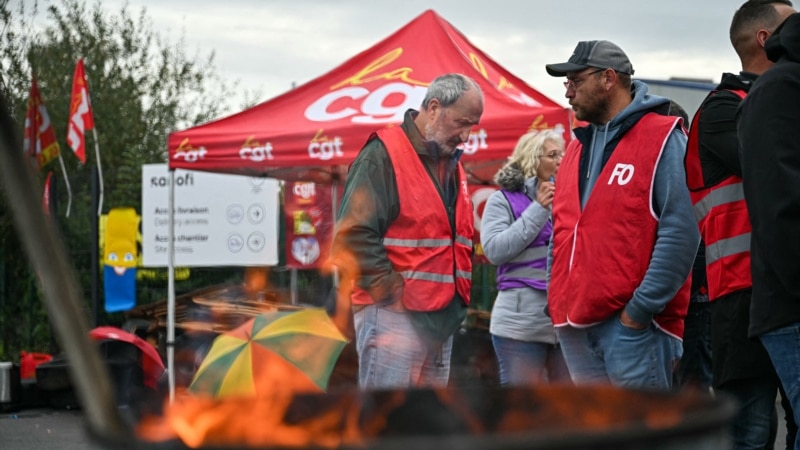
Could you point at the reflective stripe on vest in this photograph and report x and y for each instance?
(417, 242)
(523, 266)
(526, 272)
(463, 274)
(427, 276)
(464, 240)
(437, 277)
(727, 247)
(718, 197)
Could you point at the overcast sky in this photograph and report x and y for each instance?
(269, 44)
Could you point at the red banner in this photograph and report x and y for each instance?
(40, 140)
(309, 224)
(80, 113)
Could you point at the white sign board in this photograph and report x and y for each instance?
(220, 219)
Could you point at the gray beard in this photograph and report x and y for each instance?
(435, 148)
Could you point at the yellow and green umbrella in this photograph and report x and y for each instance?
(282, 350)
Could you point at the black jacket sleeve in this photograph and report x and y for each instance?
(369, 205)
(719, 144)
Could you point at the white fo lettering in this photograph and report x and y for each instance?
(623, 173)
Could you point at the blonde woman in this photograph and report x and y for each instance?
(515, 233)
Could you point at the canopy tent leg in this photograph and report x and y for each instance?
(334, 211)
(171, 290)
(293, 285)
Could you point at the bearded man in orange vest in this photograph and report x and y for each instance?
(404, 239)
(624, 235)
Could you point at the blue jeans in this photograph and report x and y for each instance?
(609, 352)
(783, 346)
(392, 354)
(522, 362)
(788, 418)
(757, 418)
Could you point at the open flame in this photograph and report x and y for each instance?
(365, 418)
(263, 421)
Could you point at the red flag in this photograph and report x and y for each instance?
(80, 113)
(40, 140)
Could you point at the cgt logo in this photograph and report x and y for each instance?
(375, 107)
(189, 154)
(324, 148)
(476, 141)
(252, 150)
(386, 103)
(304, 190)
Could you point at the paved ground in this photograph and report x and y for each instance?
(44, 428)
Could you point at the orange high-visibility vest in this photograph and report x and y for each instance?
(722, 217)
(434, 261)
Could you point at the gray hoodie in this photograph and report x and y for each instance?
(677, 235)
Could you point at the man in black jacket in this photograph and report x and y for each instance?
(741, 366)
(769, 137)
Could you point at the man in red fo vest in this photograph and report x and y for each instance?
(624, 234)
(740, 365)
(404, 239)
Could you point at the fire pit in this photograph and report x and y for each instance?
(547, 417)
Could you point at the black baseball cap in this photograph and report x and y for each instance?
(600, 54)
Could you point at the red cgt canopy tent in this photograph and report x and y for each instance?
(315, 131)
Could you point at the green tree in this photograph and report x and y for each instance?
(141, 86)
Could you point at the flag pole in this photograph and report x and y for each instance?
(99, 169)
(66, 181)
(95, 232)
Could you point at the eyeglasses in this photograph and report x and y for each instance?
(574, 83)
(554, 155)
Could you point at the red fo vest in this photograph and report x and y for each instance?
(420, 243)
(723, 220)
(601, 254)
